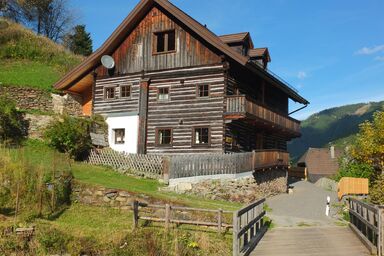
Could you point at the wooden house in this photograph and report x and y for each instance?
(176, 87)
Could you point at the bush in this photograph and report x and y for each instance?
(377, 190)
(354, 169)
(71, 136)
(13, 127)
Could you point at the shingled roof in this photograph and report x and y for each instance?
(236, 38)
(129, 23)
(259, 53)
(320, 162)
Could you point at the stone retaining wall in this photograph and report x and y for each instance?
(101, 196)
(35, 99)
(246, 190)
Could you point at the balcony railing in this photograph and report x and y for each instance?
(239, 106)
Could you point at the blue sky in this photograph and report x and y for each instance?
(332, 51)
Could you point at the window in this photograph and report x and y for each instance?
(163, 94)
(201, 136)
(165, 41)
(119, 136)
(164, 137)
(110, 93)
(203, 90)
(125, 91)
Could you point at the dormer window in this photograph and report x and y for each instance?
(165, 41)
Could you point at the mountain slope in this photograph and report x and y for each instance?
(336, 125)
(31, 60)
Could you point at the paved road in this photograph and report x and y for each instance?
(313, 241)
(305, 207)
(302, 228)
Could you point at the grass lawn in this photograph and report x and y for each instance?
(97, 175)
(24, 73)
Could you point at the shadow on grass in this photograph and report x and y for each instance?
(57, 214)
(7, 211)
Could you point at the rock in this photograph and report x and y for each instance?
(121, 199)
(124, 194)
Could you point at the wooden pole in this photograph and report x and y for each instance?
(167, 215)
(135, 206)
(220, 220)
(235, 232)
(17, 203)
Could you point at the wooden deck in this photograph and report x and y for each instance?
(314, 241)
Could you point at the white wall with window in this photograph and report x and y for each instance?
(123, 132)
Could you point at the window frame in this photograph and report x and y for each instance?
(198, 90)
(166, 42)
(158, 94)
(157, 137)
(130, 91)
(114, 135)
(194, 144)
(106, 88)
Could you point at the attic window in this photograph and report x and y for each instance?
(165, 41)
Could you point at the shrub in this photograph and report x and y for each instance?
(13, 127)
(354, 169)
(377, 190)
(70, 135)
(53, 241)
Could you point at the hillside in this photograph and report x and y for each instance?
(337, 125)
(31, 60)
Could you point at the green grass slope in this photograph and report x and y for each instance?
(336, 125)
(29, 60)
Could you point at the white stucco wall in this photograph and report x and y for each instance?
(131, 126)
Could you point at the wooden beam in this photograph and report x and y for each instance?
(143, 116)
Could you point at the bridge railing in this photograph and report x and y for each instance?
(248, 228)
(366, 220)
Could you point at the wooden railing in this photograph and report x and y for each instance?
(352, 186)
(217, 164)
(248, 228)
(366, 220)
(240, 105)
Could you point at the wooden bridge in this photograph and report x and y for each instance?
(364, 236)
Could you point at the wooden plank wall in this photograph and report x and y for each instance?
(106, 106)
(184, 111)
(136, 52)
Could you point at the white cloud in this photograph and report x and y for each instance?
(379, 58)
(370, 50)
(301, 75)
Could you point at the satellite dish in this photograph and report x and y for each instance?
(108, 62)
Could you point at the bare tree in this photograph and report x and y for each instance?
(51, 18)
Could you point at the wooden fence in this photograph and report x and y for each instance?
(215, 164)
(366, 220)
(190, 165)
(170, 218)
(248, 223)
(298, 172)
(150, 166)
(352, 186)
(248, 228)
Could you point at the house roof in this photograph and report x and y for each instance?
(259, 53)
(319, 161)
(237, 38)
(129, 23)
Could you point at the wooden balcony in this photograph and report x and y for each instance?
(240, 107)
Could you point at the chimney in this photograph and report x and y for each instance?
(332, 150)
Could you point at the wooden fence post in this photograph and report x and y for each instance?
(135, 206)
(166, 169)
(235, 233)
(167, 215)
(220, 220)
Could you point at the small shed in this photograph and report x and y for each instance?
(320, 162)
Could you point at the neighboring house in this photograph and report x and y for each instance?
(176, 87)
(320, 162)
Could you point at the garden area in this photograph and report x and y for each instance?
(36, 183)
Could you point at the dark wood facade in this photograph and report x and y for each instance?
(260, 122)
